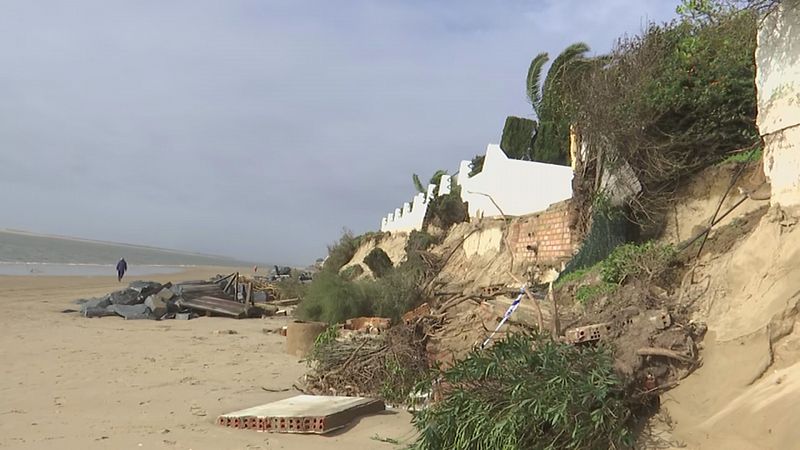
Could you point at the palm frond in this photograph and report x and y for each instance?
(533, 82)
(417, 183)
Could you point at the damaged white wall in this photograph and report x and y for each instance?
(518, 187)
(778, 83)
(411, 216)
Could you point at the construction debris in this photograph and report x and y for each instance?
(233, 296)
(386, 365)
(302, 414)
(370, 325)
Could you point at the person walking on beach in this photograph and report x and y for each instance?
(122, 266)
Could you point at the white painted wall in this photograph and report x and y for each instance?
(518, 187)
(413, 214)
(778, 83)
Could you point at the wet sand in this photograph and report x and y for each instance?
(68, 382)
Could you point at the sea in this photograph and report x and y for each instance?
(24, 253)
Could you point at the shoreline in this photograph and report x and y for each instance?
(48, 269)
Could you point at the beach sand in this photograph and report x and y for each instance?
(68, 382)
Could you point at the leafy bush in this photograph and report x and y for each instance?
(588, 293)
(476, 165)
(528, 392)
(292, 288)
(393, 294)
(669, 102)
(341, 252)
(333, 299)
(744, 157)
(447, 210)
(419, 241)
(645, 261)
(352, 272)
(565, 278)
(378, 262)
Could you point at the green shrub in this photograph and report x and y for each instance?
(419, 241)
(644, 261)
(590, 292)
(378, 262)
(528, 392)
(292, 288)
(565, 278)
(333, 299)
(341, 252)
(744, 157)
(393, 294)
(669, 102)
(476, 165)
(352, 272)
(447, 210)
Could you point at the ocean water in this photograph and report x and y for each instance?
(28, 254)
(56, 269)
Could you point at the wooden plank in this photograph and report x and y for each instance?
(215, 305)
(231, 281)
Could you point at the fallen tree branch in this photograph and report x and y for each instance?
(654, 351)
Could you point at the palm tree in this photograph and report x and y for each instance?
(437, 176)
(546, 98)
(573, 54)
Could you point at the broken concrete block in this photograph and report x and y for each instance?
(165, 294)
(156, 305)
(126, 297)
(145, 288)
(96, 311)
(132, 312)
(95, 304)
(183, 316)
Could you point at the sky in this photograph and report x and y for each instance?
(259, 129)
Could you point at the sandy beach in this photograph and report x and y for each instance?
(74, 383)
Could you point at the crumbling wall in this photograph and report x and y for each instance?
(544, 237)
(518, 187)
(412, 215)
(778, 83)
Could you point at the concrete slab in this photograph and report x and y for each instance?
(303, 414)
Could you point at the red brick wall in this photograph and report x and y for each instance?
(547, 231)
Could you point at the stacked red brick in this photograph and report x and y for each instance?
(545, 234)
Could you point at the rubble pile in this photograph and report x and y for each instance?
(230, 296)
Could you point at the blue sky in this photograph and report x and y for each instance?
(259, 129)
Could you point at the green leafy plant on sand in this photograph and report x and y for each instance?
(590, 292)
(641, 261)
(528, 392)
(333, 299)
